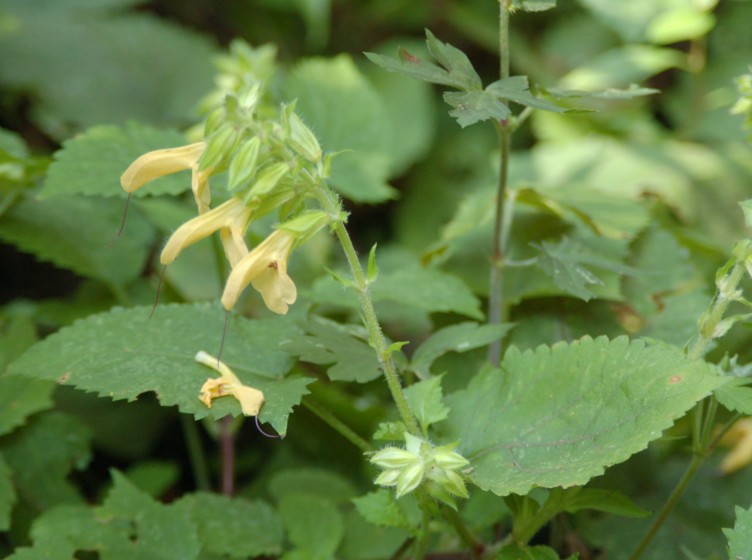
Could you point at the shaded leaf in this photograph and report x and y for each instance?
(533, 5)
(381, 508)
(517, 89)
(317, 482)
(7, 494)
(414, 67)
(425, 400)
(735, 394)
(22, 397)
(123, 353)
(740, 537)
(471, 107)
(455, 61)
(558, 416)
(312, 524)
(233, 527)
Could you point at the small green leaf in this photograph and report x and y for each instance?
(517, 89)
(556, 416)
(455, 61)
(328, 342)
(599, 499)
(390, 431)
(471, 107)
(740, 537)
(233, 527)
(380, 508)
(425, 399)
(7, 494)
(373, 269)
(312, 524)
(123, 353)
(517, 552)
(22, 397)
(747, 209)
(735, 395)
(455, 338)
(93, 162)
(414, 67)
(533, 5)
(630, 92)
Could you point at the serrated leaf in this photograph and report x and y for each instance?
(740, 537)
(328, 342)
(414, 67)
(313, 525)
(564, 261)
(735, 395)
(471, 107)
(233, 527)
(380, 508)
(7, 494)
(93, 162)
(455, 338)
(558, 416)
(42, 455)
(124, 353)
(425, 399)
(78, 233)
(347, 115)
(455, 61)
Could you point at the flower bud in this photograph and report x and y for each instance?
(219, 146)
(302, 140)
(267, 179)
(244, 163)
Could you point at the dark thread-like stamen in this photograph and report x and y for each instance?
(122, 224)
(159, 289)
(224, 333)
(258, 427)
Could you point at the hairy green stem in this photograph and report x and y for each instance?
(495, 281)
(337, 425)
(330, 203)
(196, 455)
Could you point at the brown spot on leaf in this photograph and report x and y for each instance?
(674, 379)
(404, 55)
(63, 378)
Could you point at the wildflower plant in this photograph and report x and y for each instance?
(456, 381)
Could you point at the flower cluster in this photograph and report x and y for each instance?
(273, 161)
(407, 468)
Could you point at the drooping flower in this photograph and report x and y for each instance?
(159, 163)
(250, 399)
(231, 218)
(265, 267)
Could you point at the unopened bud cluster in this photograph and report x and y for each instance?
(421, 463)
(273, 163)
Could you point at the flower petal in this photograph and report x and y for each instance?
(158, 163)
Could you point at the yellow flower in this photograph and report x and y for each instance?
(740, 438)
(266, 268)
(231, 217)
(250, 399)
(159, 163)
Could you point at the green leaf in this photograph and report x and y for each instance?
(740, 537)
(7, 494)
(87, 67)
(517, 552)
(22, 397)
(735, 395)
(373, 268)
(630, 92)
(93, 162)
(78, 233)
(427, 288)
(312, 524)
(381, 508)
(365, 541)
(41, 456)
(123, 353)
(348, 116)
(414, 67)
(558, 416)
(154, 477)
(747, 209)
(564, 262)
(599, 499)
(455, 338)
(233, 527)
(517, 89)
(533, 5)
(455, 61)
(328, 342)
(471, 107)
(425, 399)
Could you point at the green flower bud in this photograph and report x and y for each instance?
(394, 458)
(216, 118)
(219, 146)
(306, 224)
(244, 163)
(267, 179)
(410, 478)
(302, 140)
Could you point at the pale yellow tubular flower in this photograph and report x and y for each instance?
(740, 437)
(233, 214)
(158, 163)
(250, 399)
(200, 188)
(266, 268)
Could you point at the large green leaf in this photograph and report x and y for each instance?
(7, 494)
(740, 537)
(78, 233)
(124, 353)
(347, 114)
(233, 528)
(93, 162)
(313, 525)
(558, 416)
(88, 66)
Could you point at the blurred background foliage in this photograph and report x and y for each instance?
(650, 183)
